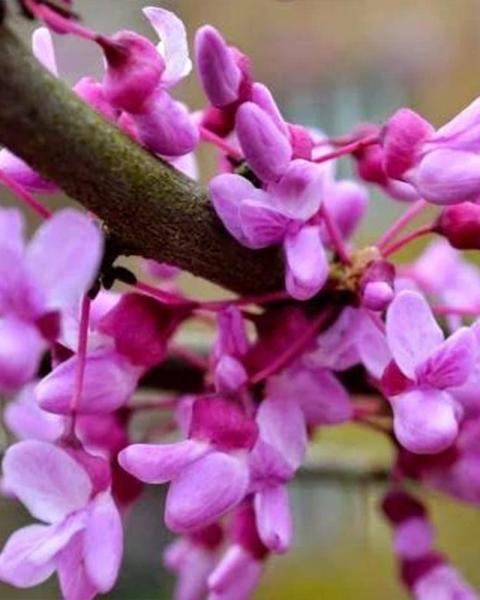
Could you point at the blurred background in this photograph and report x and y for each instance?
(330, 64)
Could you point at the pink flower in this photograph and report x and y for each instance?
(280, 214)
(442, 165)
(208, 471)
(32, 297)
(460, 225)
(425, 369)
(138, 76)
(82, 535)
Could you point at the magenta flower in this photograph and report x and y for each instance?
(81, 535)
(208, 471)
(425, 369)
(442, 165)
(138, 76)
(280, 214)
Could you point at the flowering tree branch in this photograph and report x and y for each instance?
(151, 209)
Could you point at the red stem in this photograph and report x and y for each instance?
(335, 236)
(21, 193)
(348, 149)
(415, 209)
(221, 143)
(401, 243)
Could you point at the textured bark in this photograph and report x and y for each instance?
(150, 208)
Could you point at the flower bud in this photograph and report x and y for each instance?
(267, 150)
(376, 286)
(218, 70)
(460, 224)
(134, 69)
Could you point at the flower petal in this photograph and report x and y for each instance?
(173, 44)
(425, 421)
(22, 173)
(218, 71)
(64, 256)
(103, 542)
(72, 575)
(267, 151)
(451, 363)
(43, 50)
(46, 479)
(16, 565)
(298, 194)
(108, 382)
(165, 126)
(261, 224)
(159, 463)
(412, 332)
(205, 490)
(20, 353)
(274, 518)
(448, 177)
(282, 425)
(228, 192)
(307, 265)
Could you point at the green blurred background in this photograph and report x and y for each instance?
(331, 64)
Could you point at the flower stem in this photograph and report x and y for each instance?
(164, 296)
(348, 149)
(212, 138)
(81, 356)
(335, 236)
(21, 193)
(415, 209)
(401, 243)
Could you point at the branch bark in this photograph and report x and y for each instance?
(150, 208)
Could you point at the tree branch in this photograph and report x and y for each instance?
(150, 208)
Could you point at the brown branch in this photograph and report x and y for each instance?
(150, 208)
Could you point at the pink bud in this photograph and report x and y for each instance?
(267, 150)
(460, 224)
(134, 69)
(218, 70)
(376, 286)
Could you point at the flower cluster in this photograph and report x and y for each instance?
(227, 440)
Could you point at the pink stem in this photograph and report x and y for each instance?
(335, 236)
(25, 196)
(443, 309)
(57, 22)
(348, 149)
(81, 355)
(216, 305)
(219, 142)
(164, 296)
(401, 243)
(415, 209)
(294, 350)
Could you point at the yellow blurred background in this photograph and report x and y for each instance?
(330, 64)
